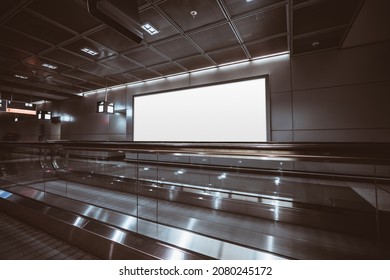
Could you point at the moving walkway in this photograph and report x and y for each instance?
(204, 201)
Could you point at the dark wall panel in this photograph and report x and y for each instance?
(91, 123)
(343, 135)
(282, 136)
(342, 95)
(342, 67)
(86, 124)
(117, 123)
(345, 107)
(281, 111)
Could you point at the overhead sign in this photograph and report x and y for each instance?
(20, 108)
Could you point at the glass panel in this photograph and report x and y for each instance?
(383, 201)
(216, 205)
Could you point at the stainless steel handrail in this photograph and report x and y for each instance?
(371, 153)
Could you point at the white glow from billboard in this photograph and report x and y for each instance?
(230, 112)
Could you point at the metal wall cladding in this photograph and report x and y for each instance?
(87, 124)
(347, 107)
(281, 111)
(342, 67)
(341, 95)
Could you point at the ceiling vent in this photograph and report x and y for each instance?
(121, 15)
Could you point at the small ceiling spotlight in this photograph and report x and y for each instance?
(193, 13)
(315, 44)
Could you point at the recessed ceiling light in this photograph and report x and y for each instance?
(49, 66)
(150, 28)
(21, 77)
(193, 13)
(315, 44)
(89, 51)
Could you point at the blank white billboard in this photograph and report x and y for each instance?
(230, 112)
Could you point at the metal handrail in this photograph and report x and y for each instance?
(370, 153)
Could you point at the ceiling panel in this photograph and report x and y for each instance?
(195, 62)
(98, 70)
(144, 74)
(167, 68)
(263, 24)
(146, 56)
(121, 64)
(237, 7)
(65, 13)
(47, 65)
(123, 78)
(112, 39)
(33, 74)
(12, 54)
(297, 2)
(228, 55)
(211, 39)
(179, 11)
(35, 32)
(89, 86)
(61, 79)
(80, 75)
(58, 81)
(268, 47)
(19, 41)
(177, 48)
(38, 27)
(165, 29)
(101, 51)
(318, 41)
(66, 57)
(323, 15)
(8, 5)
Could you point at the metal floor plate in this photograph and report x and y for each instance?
(21, 241)
(215, 233)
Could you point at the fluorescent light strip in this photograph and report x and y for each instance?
(21, 77)
(259, 58)
(89, 51)
(49, 66)
(150, 28)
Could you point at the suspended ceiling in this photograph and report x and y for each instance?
(35, 33)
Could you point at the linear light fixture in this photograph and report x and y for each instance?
(89, 51)
(21, 77)
(148, 27)
(47, 65)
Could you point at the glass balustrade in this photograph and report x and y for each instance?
(280, 201)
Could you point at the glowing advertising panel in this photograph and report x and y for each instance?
(229, 112)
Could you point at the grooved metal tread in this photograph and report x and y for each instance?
(20, 241)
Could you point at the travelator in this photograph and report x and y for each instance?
(121, 200)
